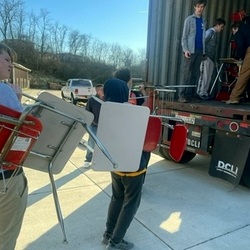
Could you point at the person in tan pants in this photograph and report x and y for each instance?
(242, 38)
(13, 201)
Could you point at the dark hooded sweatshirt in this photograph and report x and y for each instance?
(115, 90)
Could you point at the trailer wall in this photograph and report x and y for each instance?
(165, 24)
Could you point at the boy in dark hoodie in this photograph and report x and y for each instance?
(126, 186)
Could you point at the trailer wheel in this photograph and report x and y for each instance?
(187, 156)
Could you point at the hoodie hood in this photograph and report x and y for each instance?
(115, 90)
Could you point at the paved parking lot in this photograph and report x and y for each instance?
(182, 207)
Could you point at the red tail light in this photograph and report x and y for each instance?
(76, 91)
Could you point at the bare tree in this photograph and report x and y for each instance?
(8, 10)
(127, 57)
(58, 37)
(31, 27)
(19, 24)
(62, 33)
(74, 41)
(141, 55)
(99, 50)
(34, 36)
(85, 41)
(115, 55)
(54, 37)
(43, 25)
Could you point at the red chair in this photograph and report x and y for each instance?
(18, 133)
(153, 134)
(178, 142)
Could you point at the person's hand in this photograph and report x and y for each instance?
(187, 54)
(142, 90)
(17, 90)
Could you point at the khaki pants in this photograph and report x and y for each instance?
(242, 79)
(12, 207)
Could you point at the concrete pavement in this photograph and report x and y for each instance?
(182, 207)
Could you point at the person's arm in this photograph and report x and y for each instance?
(184, 40)
(208, 35)
(146, 93)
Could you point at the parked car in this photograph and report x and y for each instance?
(78, 90)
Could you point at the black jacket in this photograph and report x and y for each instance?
(242, 39)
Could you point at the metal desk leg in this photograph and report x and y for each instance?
(216, 78)
(57, 204)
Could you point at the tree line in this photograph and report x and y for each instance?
(44, 45)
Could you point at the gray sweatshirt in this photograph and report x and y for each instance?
(189, 33)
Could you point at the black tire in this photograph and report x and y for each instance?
(187, 156)
(62, 95)
(73, 100)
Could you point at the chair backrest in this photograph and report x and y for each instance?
(121, 129)
(153, 133)
(178, 142)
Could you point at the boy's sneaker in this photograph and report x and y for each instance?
(232, 102)
(123, 245)
(105, 238)
(204, 97)
(86, 164)
(182, 99)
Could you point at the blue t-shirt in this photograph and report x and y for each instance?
(9, 98)
(199, 34)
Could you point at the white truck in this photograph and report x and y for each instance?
(78, 90)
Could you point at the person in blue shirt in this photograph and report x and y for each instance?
(13, 202)
(193, 46)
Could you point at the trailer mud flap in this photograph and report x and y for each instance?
(230, 154)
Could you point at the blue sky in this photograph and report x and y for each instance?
(113, 21)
